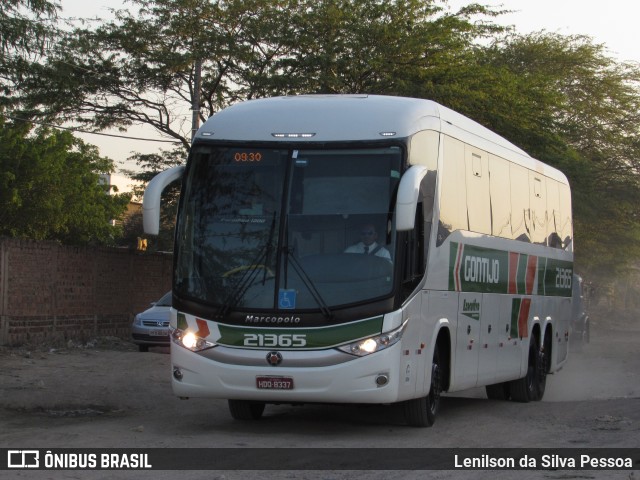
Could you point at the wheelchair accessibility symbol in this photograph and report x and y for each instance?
(287, 299)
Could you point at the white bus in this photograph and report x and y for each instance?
(467, 281)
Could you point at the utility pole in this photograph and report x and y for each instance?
(195, 103)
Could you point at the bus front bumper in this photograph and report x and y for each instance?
(326, 376)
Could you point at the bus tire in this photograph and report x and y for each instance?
(498, 391)
(422, 412)
(544, 362)
(525, 389)
(246, 410)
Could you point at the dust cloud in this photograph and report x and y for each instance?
(607, 367)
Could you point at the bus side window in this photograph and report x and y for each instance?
(413, 266)
(553, 213)
(566, 227)
(478, 197)
(416, 249)
(427, 192)
(453, 196)
(538, 208)
(500, 197)
(520, 208)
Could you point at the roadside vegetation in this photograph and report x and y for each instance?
(563, 99)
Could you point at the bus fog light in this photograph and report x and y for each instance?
(177, 374)
(374, 344)
(382, 380)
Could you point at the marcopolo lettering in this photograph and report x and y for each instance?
(271, 320)
(481, 269)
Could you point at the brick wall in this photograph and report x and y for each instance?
(51, 293)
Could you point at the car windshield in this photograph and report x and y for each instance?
(278, 229)
(165, 301)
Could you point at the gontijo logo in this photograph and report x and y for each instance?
(477, 269)
(481, 269)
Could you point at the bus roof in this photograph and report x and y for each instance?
(350, 118)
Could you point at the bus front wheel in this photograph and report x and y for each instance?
(422, 412)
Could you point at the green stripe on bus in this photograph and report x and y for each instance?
(314, 338)
(542, 273)
(486, 270)
(479, 269)
(522, 272)
(515, 315)
(557, 277)
(182, 321)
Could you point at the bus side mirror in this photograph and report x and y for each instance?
(408, 194)
(151, 199)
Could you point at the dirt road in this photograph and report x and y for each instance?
(107, 394)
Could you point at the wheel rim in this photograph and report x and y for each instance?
(532, 371)
(434, 393)
(542, 366)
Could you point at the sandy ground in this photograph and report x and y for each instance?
(107, 394)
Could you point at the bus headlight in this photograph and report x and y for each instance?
(374, 344)
(190, 340)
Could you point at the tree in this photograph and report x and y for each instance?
(27, 27)
(563, 100)
(140, 68)
(50, 190)
(49, 181)
(150, 165)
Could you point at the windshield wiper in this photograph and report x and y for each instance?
(249, 276)
(308, 282)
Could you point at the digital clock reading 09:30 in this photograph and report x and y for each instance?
(247, 157)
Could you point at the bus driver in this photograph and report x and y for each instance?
(368, 244)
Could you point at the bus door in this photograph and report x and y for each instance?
(468, 339)
(490, 332)
(508, 355)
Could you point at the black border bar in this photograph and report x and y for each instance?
(320, 459)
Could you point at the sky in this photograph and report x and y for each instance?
(613, 23)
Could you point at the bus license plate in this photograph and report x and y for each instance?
(274, 383)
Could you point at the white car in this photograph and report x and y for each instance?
(151, 327)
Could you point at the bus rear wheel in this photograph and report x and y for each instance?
(246, 410)
(530, 387)
(422, 412)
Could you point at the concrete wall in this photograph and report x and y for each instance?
(51, 293)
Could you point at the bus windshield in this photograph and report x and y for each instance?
(278, 229)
